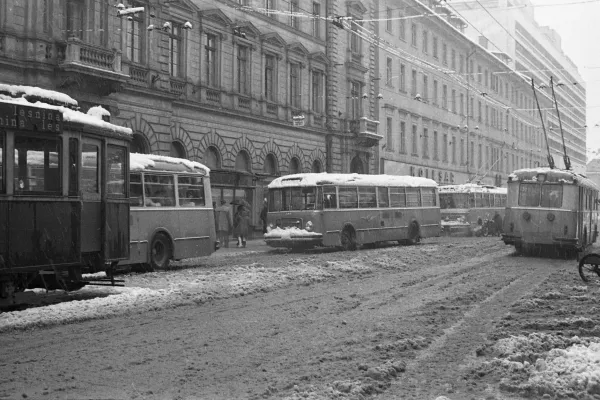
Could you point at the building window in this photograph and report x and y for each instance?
(453, 60)
(175, 53)
(242, 72)
(414, 140)
(295, 85)
(355, 100)
(472, 155)
(75, 19)
(270, 7)
(390, 144)
(413, 34)
(44, 13)
(270, 77)
(294, 9)
(355, 41)
(316, 167)
(316, 20)
(425, 93)
(177, 150)
(445, 54)
(413, 88)
(461, 64)
(435, 145)
(445, 148)
(445, 97)
(211, 158)
(294, 165)
(403, 78)
(388, 72)
(425, 42)
(402, 26)
(479, 74)
(134, 35)
(388, 23)
(434, 50)
(454, 150)
(453, 101)
(435, 93)
(480, 155)
(462, 104)
(425, 143)
(402, 137)
(211, 60)
(317, 91)
(462, 151)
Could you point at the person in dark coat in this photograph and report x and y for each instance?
(241, 224)
(263, 216)
(224, 223)
(498, 224)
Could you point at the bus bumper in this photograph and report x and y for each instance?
(295, 241)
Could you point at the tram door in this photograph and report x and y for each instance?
(90, 186)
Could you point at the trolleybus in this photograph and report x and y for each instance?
(348, 210)
(472, 209)
(550, 207)
(172, 215)
(55, 220)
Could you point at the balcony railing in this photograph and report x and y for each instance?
(78, 52)
(138, 74)
(213, 96)
(272, 108)
(244, 102)
(176, 87)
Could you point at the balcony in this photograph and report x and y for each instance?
(91, 68)
(365, 131)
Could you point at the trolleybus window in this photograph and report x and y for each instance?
(160, 190)
(384, 199)
(191, 191)
(545, 195)
(329, 197)
(275, 203)
(552, 196)
(135, 190)
(529, 195)
(428, 196)
(367, 197)
(348, 197)
(412, 197)
(89, 168)
(116, 171)
(397, 197)
(36, 165)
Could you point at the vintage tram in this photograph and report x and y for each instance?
(57, 219)
(550, 209)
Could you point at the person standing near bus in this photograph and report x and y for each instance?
(224, 223)
(241, 224)
(263, 216)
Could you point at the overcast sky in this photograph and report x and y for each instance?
(578, 24)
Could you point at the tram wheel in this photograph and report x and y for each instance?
(160, 252)
(588, 272)
(348, 239)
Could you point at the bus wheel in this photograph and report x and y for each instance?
(348, 239)
(160, 252)
(587, 272)
(413, 233)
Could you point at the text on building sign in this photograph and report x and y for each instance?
(17, 116)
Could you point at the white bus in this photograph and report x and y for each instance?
(172, 215)
(348, 210)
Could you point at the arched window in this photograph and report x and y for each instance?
(294, 165)
(139, 144)
(316, 166)
(177, 150)
(212, 159)
(242, 161)
(356, 166)
(270, 166)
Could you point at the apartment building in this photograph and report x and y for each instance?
(536, 52)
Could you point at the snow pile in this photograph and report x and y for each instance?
(98, 112)
(33, 92)
(324, 178)
(288, 233)
(540, 364)
(140, 162)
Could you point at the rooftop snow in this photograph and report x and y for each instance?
(552, 175)
(50, 96)
(471, 188)
(139, 162)
(314, 179)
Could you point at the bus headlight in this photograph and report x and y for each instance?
(526, 216)
(550, 217)
(309, 226)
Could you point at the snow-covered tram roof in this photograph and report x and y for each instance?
(471, 188)
(51, 100)
(324, 178)
(151, 162)
(552, 175)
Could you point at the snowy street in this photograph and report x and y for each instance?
(450, 318)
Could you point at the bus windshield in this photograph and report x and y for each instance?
(294, 198)
(544, 195)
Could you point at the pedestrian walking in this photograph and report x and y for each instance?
(224, 223)
(263, 216)
(241, 224)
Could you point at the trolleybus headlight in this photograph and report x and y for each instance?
(309, 226)
(526, 216)
(550, 217)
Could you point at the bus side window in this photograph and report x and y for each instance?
(413, 197)
(397, 197)
(428, 197)
(191, 191)
(383, 196)
(348, 197)
(135, 190)
(472, 203)
(329, 197)
(319, 199)
(367, 197)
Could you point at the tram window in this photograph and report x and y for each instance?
(446, 201)
(398, 197)
(471, 199)
(428, 197)
(89, 168)
(191, 191)
(308, 198)
(116, 159)
(367, 197)
(529, 194)
(135, 190)
(329, 197)
(160, 191)
(37, 165)
(413, 197)
(478, 199)
(384, 198)
(552, 195)
(73, 166)
(275, 200)
(348, 197)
